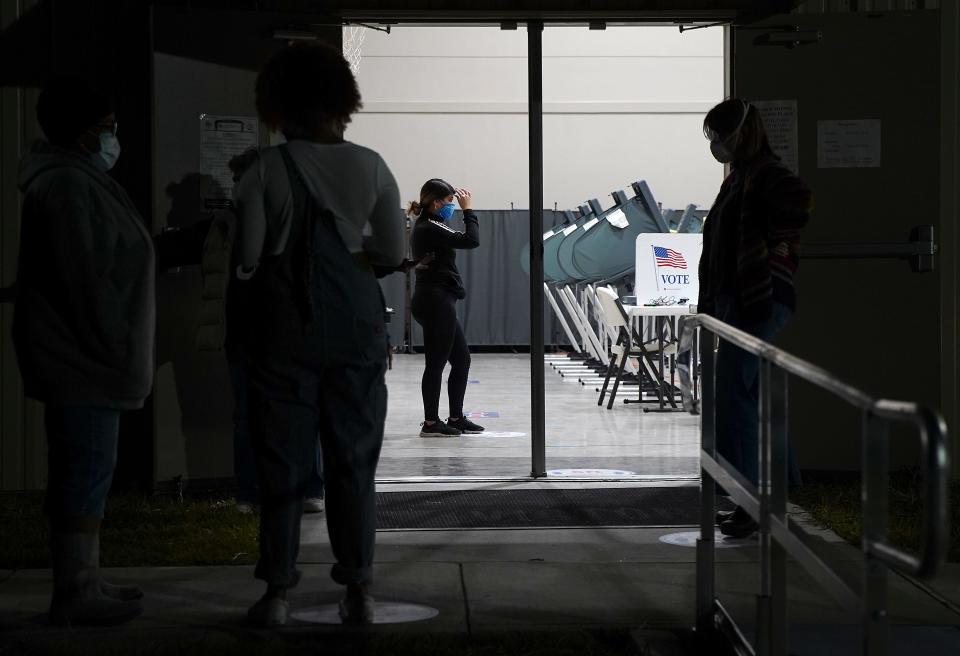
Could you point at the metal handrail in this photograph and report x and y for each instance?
(766, 502)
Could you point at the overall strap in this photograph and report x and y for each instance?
(320, 256)
(299, 251)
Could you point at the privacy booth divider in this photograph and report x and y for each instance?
(496, 311)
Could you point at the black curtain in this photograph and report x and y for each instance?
(496, 311)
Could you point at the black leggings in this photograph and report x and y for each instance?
(434, 308)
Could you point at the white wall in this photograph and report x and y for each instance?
(621, 104)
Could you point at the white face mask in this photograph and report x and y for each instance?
(109, 149)
(723, 150)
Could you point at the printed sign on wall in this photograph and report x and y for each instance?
(221, 139)
(667, 266)
(780, 122)
(848, 144)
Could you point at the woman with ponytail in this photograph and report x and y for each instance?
(439, 287)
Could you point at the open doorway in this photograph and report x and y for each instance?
(621, 105)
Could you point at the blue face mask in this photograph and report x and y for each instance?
(446, 211)
(109, 149)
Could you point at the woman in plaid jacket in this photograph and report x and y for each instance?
(747, 271)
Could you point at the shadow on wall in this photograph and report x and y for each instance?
(195, 402)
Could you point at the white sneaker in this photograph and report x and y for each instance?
(269, 612)
(313, 505)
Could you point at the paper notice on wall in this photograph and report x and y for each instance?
(618, 219)
(221, 139)
(780, 122)
(848, 144)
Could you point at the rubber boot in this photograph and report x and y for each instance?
(118, 592)
(78, 598)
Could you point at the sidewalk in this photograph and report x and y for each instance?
(483, 582)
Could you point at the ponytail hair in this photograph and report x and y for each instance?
(414, 208)
(430, 191)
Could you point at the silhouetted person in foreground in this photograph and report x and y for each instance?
(747, 269)
(83, 329)
(315, 340)
(221, 319)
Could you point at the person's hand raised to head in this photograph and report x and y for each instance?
(463, 197)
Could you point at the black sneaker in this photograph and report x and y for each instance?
(722, 516)
(739, 525)
(438, 429)
(464, 425)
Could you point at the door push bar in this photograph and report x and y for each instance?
(919, 251)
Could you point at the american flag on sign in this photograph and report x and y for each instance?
(669, 258)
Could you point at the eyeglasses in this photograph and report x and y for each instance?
(663, 300)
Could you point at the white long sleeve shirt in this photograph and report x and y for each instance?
(352, 181)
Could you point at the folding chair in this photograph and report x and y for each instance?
(624, 348)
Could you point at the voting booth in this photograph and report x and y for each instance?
(552, 271)
(568, 219)
(607, 250)
(567, 241)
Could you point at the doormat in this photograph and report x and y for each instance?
(639, 506)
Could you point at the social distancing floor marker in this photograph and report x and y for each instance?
(589, 472)
(720, 541)
(384, 613)
(487, 433)
(482, 414)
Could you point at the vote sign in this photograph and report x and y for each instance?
(666, 265)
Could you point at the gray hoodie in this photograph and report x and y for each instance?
(85, 313)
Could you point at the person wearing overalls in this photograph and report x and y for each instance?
(314, 216)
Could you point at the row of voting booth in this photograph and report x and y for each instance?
(619, 281)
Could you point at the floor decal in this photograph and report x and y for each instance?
(487, 433)
(577, 473)
(384, 613)
(482, 414)
(720, 541)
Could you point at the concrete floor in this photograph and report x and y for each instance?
(579, 434)
(488, 581)
(519, 580)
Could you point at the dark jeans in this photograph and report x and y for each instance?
(81, 457)
(435, 310)
(244, 462)
(737, 389)
(291, 402)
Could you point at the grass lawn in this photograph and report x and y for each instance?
(138, 531)
(837, 506)
(206, 530)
